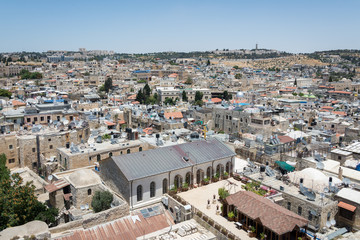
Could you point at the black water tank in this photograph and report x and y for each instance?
(67, 145)
(157, 135)
(301, 180)
(262, 168)
(330, 179)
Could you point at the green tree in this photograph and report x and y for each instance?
(184, 97)
(301, 94)
(101, 201)
(108, 85)
(147, 90)
(5, 93)
(198, 96)
(208, 63)
(226, 95)
(19, 204)
(156, 97)
(199, 103)
(169, 101)
(140, 97)
(236, 67)
(189, 81)
(238, 76)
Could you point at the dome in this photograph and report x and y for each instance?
(239, 94)
(313, 179)
(84, 178)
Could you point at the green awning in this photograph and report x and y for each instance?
(285, 166)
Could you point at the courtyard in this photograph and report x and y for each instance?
(199, 197)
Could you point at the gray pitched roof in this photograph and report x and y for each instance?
(156, 161)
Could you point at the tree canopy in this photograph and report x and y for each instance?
(184, 96)
(101, 201)
(5, 93)
(108, 85)
(198, 96)
(238, 76)
(18, 203)
(25, 74)
(226, 95)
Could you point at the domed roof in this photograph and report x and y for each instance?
(84, 178)
(239, 94)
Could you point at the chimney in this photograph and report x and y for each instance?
(340, 173)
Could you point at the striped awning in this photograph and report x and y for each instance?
(347, 206)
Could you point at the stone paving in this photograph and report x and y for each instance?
(198, 197)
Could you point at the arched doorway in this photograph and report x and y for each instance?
(188, 178)
(165, 185)
(199, 176)
(220, 170)
(178, 181)
(228, 167)
(209, 172)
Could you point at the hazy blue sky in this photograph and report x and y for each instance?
(151, 25)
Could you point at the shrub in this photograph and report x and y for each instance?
(226, 174)
(231, 215)
(199, 214)
(211, 222)
(101, 201)
(223, 193)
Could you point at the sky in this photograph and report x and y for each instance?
(155, 25)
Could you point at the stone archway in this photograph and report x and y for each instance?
(209, 172)
(199, 176)
(220, 170)
(178, 181)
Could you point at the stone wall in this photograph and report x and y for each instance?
(94, 219)
(8, 146)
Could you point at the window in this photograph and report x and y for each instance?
(152, 189)
(11, 160)
(140, 149)
(35, 119)
(139, 193)
(310, 216)
(28, 120)
(110, 154)
(128, 151)
(33, 149)
(41, 118)
(346, 213)
(51, 146)
(89, 191)
(339, 157)
(299, 210)
(120, 152)
(98, 157)
(165, 184)
(10, 146)
(48, 118)
(289, 206)
(49, 140)
(89, 159)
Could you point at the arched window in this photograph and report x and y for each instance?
(140, 149)
(128, 151)
(120, 152)
(89, 191)
(165, 186)
(139, 193)
(299, 210)
(152, 189)
(98, 157)
(110, 154)
(208, 172)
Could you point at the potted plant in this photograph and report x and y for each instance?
(185, 187)
(206, 181)
(173, 191)
(216, 178)
(231, 216)
(262, 236)
(252, 232)
(226, 175)
(223, 193)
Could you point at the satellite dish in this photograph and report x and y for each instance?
(50, 177)
(346, 181)
(320, 165)
(328, 224)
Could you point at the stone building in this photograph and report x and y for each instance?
(230, 121)
(349, 208)
(9, 146)
(142, 178)
(89, 155)
(317, 211)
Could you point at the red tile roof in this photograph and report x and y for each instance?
(327, 107)
(272, 216)
(343, 92)
(339, 113)
(215, 100)
(285, 139)
(121, 229)
(109, 123)
(18, 103)
(174, 115)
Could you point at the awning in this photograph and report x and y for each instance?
(285, 166)
(347, 206)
